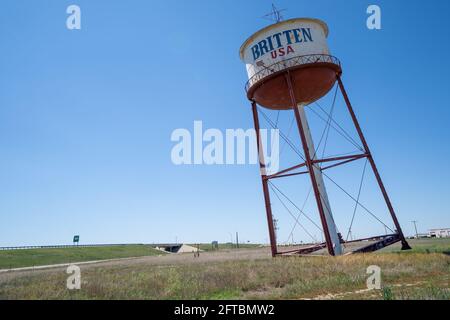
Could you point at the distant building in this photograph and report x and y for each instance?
(176, 248)
(440, 233)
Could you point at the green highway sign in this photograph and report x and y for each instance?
(76, 238)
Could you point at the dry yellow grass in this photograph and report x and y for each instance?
(260, 278)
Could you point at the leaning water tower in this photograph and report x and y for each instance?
(289, 66)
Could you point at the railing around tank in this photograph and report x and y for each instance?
(289, 63)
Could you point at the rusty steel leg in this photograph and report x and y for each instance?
(310, 164)
(262, 165)
(405, 245)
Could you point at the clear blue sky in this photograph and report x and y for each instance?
(86, 116)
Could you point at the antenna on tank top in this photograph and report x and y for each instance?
(274, 15)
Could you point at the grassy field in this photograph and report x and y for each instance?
(37, 257)
(426, 245)
(405, 275)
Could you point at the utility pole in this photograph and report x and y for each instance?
(275, 227)
(237, 240)
(415, 227)
(231, 238)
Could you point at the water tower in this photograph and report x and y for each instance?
(289, 66)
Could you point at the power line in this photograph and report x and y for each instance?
(292, 215)
(287, 198)
(341, 130)
(356, 204)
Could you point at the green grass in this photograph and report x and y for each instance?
(426, 245)
(280, 278)
(226, 246)
(37, 257)
(415, 274)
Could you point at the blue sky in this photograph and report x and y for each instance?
(86, 116)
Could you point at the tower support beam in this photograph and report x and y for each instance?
(265, 181)
(405, 245)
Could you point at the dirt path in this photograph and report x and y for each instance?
(341, 295)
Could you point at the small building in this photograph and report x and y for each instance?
(440, 233)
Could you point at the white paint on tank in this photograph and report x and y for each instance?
(282, 41)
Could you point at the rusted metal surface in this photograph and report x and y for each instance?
(373, 238)
(291, 63)
(307, 250)
(273, 240)
(280, 173)
(313, 75)
(386, 241)
(355, 156)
